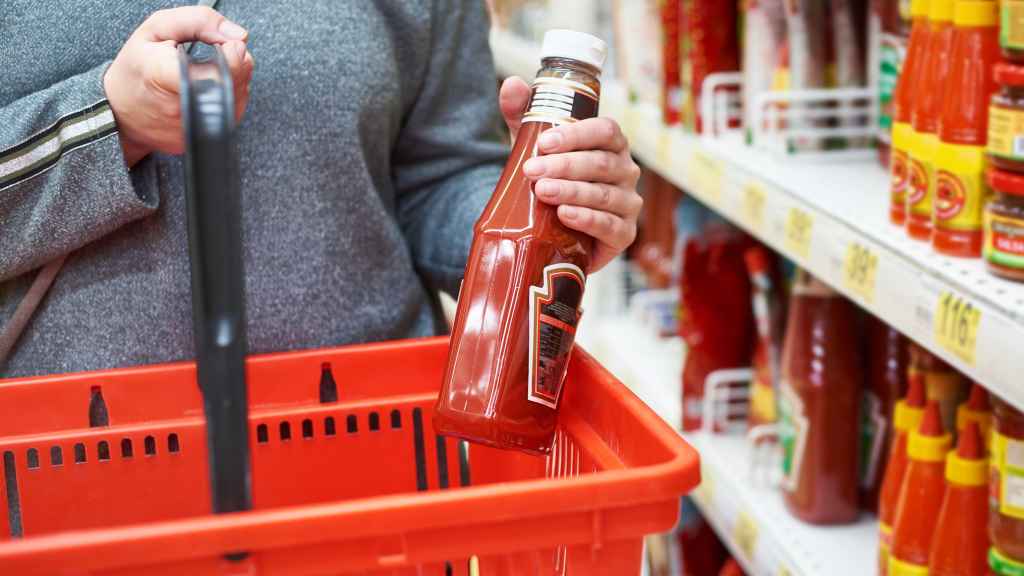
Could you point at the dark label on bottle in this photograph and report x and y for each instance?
(554, 315)
(557, 101)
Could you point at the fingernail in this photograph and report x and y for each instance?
(232, 30)
(533, 167)
(570, 212)
(549, 140)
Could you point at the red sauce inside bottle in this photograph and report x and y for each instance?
(520, 301)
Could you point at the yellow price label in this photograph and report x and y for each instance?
(799, 225)
(745, 533)
(859, 269)
(956, 325)
(663, 153)
(706, 172)
(753, 204)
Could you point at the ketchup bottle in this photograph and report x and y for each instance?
(960, 546)
(903, 103)
(924, 487)
(887, 381)
(819, 401)
(925, 118)
(521, 294)
(907, 417)
(960, 188)
(769, 305)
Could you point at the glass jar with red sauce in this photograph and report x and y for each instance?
(1003, 248)
(820, 400)
(1006, 119)
(521, 296)
(1006, 505)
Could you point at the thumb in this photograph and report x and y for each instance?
(190, 23)
(513, 98)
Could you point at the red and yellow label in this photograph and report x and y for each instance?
(960, 189)
(1006, 133)
(922, 174)
(899, 162)
(1004, 241)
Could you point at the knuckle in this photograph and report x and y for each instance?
(608, 129)
(636, 203)
(604, 196)
(603, 164)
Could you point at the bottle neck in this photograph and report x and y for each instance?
(564, 90)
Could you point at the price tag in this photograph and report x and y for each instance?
(745, 533)
(706, 172)
(799, 225)
(753, 204)
(859, 268)
(956, 325)
(663, 153)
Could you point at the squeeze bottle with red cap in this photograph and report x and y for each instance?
(924, 487)
(928, 98)
(903, 104)
(907, 417)
(521, 295)
(978, 410)
(960, 546)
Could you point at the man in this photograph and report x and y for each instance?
(369, 146)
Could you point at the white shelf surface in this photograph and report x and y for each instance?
(750, 518)
(845, 204)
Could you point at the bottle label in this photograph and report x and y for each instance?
(922, 174)
(793, 429)
(960, 189)
(1008, 455)
(1004, 241)
(899, 162)
(554, 315)
(1003, 566)
(762, 399)
(1006, 132)
(1011, 26)
(873, 429)
(560, 101)
(891, 54)
(898, 567)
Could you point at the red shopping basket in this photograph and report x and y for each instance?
(360, 485)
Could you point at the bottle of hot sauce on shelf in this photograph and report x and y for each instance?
(903, 104)
(521, 295)
(887, 382)
(960, 187)
(928, 96)
(978, 410)
(924, 487)
(960, 546)
(907, 417)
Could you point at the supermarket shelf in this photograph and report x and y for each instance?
(831, 218)
(750, 518)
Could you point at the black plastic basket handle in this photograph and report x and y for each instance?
(218, 278)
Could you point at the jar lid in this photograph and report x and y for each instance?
(574, 45)
(919, 8)
(1006, 182)
(976, 13)
(940, 10)
(1008, 74)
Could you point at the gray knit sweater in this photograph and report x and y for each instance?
(371, 143)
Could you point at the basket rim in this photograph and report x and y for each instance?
(310, 524)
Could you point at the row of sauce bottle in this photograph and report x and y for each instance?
(958, 132)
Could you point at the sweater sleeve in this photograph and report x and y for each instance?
(63, 177)
(451, 148)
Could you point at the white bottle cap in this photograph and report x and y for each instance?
(575, 45)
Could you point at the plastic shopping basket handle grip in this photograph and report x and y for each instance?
(218, 279)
